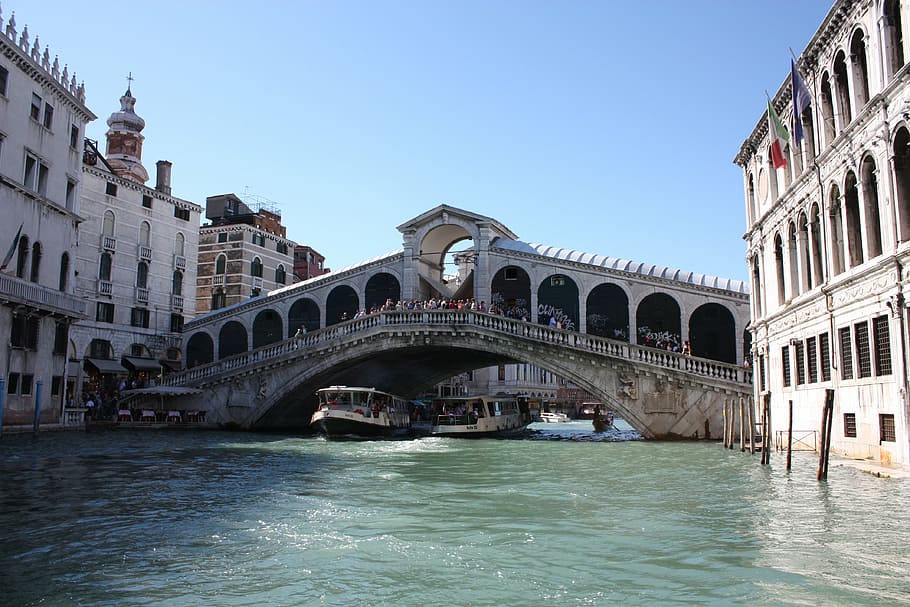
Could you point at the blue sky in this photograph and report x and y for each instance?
(607, 127)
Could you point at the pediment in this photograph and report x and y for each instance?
(445, 213)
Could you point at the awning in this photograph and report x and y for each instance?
(135, 363)
(171, 365)
(106, 367)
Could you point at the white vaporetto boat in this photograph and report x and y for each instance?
(478, 416)
(553, 418)
(346, 411)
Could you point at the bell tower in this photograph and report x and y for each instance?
(124, 140)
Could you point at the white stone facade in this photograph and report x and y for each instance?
(42, 124)
(829, 237)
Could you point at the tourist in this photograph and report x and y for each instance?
(686, 349)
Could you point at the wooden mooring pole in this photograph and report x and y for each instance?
(766, 430)
(725, 423)
(824, 450)
(751, 426)
(742, 429)
(732, 423)
(790, 439)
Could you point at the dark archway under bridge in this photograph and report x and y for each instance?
(660, 393)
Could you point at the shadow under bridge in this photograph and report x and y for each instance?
(661, 394)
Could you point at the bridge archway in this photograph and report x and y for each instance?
(712, 333)
(511, 292)
(658, 319)
(608, 312)
(266, 328)
(232, 339)
(434, 246)
(557, 296)
(303, 313)
(380, 287)
(341, 304)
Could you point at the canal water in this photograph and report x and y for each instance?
(170, 518)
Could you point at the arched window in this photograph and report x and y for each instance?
(854, 224)
(36, 262)
(808, 143)
(894, 37)
(870, 204)
(107, 225)
(279, 274)
(177, 286)
(779, 266)
(860, 70)
(145, 233)
(220, 264)
(805, 258)
(219, 299)
(829, 127)
(750, 195)
(793, 254)
(104, 267)
(256, 268)
(64, 271)
(835, 221)
(842, 91)
(142, 275)
(756, 286)
(818, 269)
(22, 256)
(179, 245)
(902, 181)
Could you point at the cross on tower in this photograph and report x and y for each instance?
(129, 81)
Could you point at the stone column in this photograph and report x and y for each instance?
(482, 276)
(409, 267)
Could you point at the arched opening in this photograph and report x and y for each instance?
(35, 275)
(266, 328)
(232, 339)
(199, 350)
(341, 304)
(22, 256)
(64, 271)
(510, 293)
(608, 312)
(750, 195)
(446, 262)
(747, 347)
(805, 255)
(219, 298)
(256, 268)
(658, 322)
(779, 267)
(793, 255)
(829, 127)
(870, 204)
(381, 287)
(220, 264)
(854, 225)
(303, 313)
(756, 287)
(836, 225)
(142, 275)
(842, 91)
(818, 269)
(145, 234)
(894, 37)
(179, 245)
(557, 299)
(902, 181)
(712, 333)
(280, 275)
(177, 283)
(104, 267)
(808, 142)
(860, 70)
(107, 224)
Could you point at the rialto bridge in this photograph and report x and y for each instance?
(626, 308)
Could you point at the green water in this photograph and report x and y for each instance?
(182, 518)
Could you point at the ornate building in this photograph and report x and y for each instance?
(136, 262)
(829, 236)
(42, 123)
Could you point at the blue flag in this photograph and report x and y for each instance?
(801, 100)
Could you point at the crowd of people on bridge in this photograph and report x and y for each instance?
(441, 303)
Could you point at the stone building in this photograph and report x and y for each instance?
(829, 236)
(42, 124)
(308, 263)
(136, 262)
(243, 253)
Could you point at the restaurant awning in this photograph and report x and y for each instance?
(136, 363)
(106, 367)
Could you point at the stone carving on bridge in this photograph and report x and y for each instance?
(238, 395)
(628, 384)
(263, 388)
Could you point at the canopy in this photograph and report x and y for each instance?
(106, 367)
(137, 363)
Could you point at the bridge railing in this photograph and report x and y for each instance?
(440, 318)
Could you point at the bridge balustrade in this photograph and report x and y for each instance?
(443, 317)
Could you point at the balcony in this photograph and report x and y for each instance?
(179, 262)
(105, 287)
(108, 243)
(177, 302)
(31, 294)
(142, 295)
(218, 279)
(145, 253)
(257, 282)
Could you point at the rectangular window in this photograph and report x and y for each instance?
(60, 338)
(886, 427)
(146, 201)
(183, 214)
(35, 112)
(30, 178)
(850, 425)
(258, 239)
(140, 318)
(282, 247)
(863, 354)
(110, 189)
(811, 360)
(25, 384)
(48, 115)
(42, 179)
(74, 136)
(800, 364)
(176, 323)
(882, 336)
(24, 332)
(70, 194)
(824, 351)
(12, 384)
(4, 80)
(762, 384)
(785, 364)
(222, 236)
(104, 312)
(56, 383)
(846, 353)
(501, 374)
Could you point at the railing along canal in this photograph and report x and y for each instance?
(443, 318)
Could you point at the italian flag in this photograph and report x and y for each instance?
(779, 137)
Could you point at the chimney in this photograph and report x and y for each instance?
(163, 183)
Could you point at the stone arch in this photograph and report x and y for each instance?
(303, 313)
(712, 333)
(860, 66)
(267, 328)
(200, 350)
(902, 181)
(510, 292)
(381, 287)
(854, 223)
(608, 312)
(232, 339)
(341, 304)
(557, 297)
(869, 183)
(659, 321)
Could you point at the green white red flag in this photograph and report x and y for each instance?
(779, 138)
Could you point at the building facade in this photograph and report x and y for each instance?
(42, 124)
(829, 237)
(136, 263)
(243, 253)
(308, 263)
